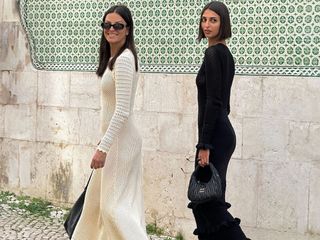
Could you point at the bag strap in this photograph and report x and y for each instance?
(88, 180)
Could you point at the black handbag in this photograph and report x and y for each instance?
(204, 185)
(75, 212)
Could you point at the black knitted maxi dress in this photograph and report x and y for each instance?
(215, 132)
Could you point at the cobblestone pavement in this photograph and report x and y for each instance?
(16, 226)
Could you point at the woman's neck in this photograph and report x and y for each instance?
(212, 42)
(115, 48)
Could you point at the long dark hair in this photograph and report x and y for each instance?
(225, 25)
(105, 52)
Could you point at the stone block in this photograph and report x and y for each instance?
(51, 171)
(177, 133)
(265, 139)
(25, 88)
(40, 167)
(20, 122)
(152, 92)
(252, 145)
(2, 114)
(147, 123)
(8, 46)
(303, 141)
(163, 93)
(291, 98)
(314, 193)
(3, 166)
(241, 191)
(172, 93)
(58, 125)
(10, 11)
(14, 54)
(60, 174)
(54, 89)
(299, 146)
(4, 95)
(89, 133)
(237, 124)
(276, 138)
(283, 196)
(138, 102)
(85, 90)
(21, 87)
(246, 96)
(27, 153)
(9, 164)
(8, 79)
(314, 138)
(81, 156)
(313, 97)
(189, 98)
(1, 10)
(164, 183)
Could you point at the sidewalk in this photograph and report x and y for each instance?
(16, 225)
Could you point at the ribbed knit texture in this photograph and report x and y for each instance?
(124, 71)
(113, 207)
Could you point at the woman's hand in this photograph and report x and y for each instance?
(203, 157)
(98, 160)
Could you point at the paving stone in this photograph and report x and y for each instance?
(16, 226)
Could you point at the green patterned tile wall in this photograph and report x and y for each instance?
(270, 37)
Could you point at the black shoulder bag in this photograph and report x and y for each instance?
(206, 189)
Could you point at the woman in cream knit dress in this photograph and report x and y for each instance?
(113, 207)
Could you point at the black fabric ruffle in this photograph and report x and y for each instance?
(217, 228)
(227, 221)
(204, 146)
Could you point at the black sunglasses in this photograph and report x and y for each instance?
(116, 26)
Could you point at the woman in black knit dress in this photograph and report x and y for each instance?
(216, 140)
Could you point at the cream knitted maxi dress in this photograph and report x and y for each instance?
(113, 207)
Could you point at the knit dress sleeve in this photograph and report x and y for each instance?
(213, 102)
(124, 69)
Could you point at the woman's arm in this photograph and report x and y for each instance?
(213, 71)
(123, 76)
(124, 69)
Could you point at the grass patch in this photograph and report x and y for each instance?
(153, 229)
(28, 205)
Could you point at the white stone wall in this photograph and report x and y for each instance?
(49, 124)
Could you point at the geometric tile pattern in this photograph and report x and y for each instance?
(270, 37)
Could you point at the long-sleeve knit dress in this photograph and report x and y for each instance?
(113, 207)
(215, 132)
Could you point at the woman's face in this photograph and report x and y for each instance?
(117, 32)
(210, 24)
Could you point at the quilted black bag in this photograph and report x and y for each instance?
(204, 185)
(75, 212)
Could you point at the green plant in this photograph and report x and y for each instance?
(153, 229)
(179, 236)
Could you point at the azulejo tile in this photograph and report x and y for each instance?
(269, 37)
